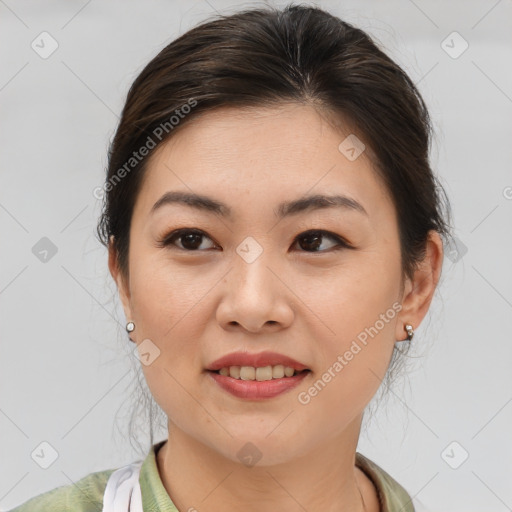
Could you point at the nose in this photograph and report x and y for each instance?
(255, 297)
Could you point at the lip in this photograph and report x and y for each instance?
(256, 360)
(257, 390)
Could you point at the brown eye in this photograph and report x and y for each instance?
(190, 239)
(310, 241)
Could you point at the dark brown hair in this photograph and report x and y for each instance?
(264, 58)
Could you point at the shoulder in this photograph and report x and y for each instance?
(85, 495)
(391, 495)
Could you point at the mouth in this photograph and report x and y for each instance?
(260, 374)
(257, 376)
(262, 383)
(265, 364)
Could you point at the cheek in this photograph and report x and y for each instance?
(164, 296)
(351, 298)
(354, 360)
(170, 312)
(358, 311)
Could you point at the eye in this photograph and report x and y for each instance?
(312, 240)
(190, 239)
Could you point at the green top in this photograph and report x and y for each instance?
(86, 495)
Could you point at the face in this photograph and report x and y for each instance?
(255, 280)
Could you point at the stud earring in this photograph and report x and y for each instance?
(410, 331)
(130, 327)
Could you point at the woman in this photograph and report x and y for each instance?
(274, 228)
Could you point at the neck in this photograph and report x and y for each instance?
(197, 477)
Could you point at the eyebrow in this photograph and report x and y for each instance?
(285, 209)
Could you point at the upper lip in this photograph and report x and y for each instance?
(256, 360)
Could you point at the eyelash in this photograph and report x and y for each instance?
(168, 240)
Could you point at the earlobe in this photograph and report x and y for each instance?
(421, 289)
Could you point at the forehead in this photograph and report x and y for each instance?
(260, 155)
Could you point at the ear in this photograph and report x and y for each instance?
(419, 291)
(124, 292)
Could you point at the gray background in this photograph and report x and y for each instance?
(65, 360)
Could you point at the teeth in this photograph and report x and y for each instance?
(259, 374)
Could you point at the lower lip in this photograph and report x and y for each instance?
(253, 389)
